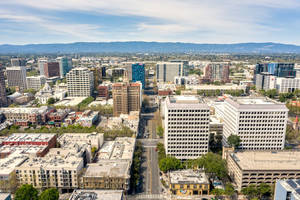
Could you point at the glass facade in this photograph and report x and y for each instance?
(138, 73)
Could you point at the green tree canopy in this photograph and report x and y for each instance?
(49, 194)
(169, 163)
(160, 131)
(234, 141)
(26, 192)
(51, 101)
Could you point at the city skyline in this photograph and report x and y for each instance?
(33, 21)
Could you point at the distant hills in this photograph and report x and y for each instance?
(149, 47)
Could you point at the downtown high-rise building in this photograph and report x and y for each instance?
(16, 77)
(127, 97)
(259, 122)
(3, 97)
(18, 62)
(35, 82)
(167, 71)
(186, 127)
(51, 69)
(275, 69)
(80, 82)
(41, 64)
(64, 66)
(217, 72)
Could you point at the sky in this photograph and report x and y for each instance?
(196, 21)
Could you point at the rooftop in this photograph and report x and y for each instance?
(8, 164)
(188, 177)
(29, 137)
(70, 101)
(292, 186)
(121, 148)
(267, 160)
(24, 149)
(255, 103)
(109, 168)
(185, 102)
(96, 195)
(41, 109)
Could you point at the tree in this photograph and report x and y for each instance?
(178, 92)
(26, 192)
(213, 165)
(160, 131)
(264, 190)
(250, 191)
(229, 189)
(51, 101)
(93, 150)
(234, 141)
(271, 93)
(169, 163)
(49, 194)
(218, 192)
(30, 90)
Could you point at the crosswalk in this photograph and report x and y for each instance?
(146, 196)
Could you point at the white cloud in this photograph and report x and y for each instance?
(211, 20)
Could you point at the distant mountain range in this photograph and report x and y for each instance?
(149, 47)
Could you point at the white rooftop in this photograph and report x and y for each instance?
(188, 176)
(97, 195)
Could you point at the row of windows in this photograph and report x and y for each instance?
(262, 116)
(261, 121)
(188, 119)
(187, 111)
(188, 131)
(184, 123)
(188, 115)
(187, 138)
(262, 113)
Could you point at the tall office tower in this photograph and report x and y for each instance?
(217, 72)
(265, 81)
(97, 72)
(41, 64)
(260, 123)
(35, 82)
(3, 97)
(51, 69)
(16, 77)
(127, 97)
(18, 62)
(80, 82)
(138, 73)
(186, 127)
(276, 69)
(103, 71)
(64, 66)
(166, 71)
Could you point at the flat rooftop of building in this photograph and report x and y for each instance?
(267, 160)
(121, 148)
(188, 177)
(185, 102)
(57, 158)
(22, 149)
(8, 164)
(97, 195)
(70, 101)
(32, 110)
(109, 168)
(255, 103)
(29, 137)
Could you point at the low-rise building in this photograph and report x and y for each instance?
(107, 174)
(97, 195)
(188, 182)
(87, 118)
(22, 115)
(287, 190)
(35, 82)
(36, 139)
(59, 169)
(255, 167)
(47, 92)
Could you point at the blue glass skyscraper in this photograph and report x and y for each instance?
(138, 73)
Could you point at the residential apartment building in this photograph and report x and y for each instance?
(188, 183)
(260, 123)
(217, 72)
(3, 96)
(255, 167)
(287, 189)
(58, 169)
(127, 97)
(186, 127)
(99, 73)
(166, 71)
(16, 77)
(25, 116)
(51, 69)
(35, 82)
(80, 82)
(103, 91)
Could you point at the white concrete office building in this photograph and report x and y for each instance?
(16, 77)
(35, 82)
(166, 71)
(284, 85)
(80, 82)
(260, 122)
(186, 127)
